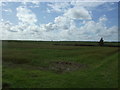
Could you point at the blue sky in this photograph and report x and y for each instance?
(68, 21)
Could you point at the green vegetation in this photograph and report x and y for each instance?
(29, 64)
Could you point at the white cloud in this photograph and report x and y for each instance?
(86, 4)
(99, 29)
(78, 13)
(5, 30)
(62, 7)
(2, 4)
(58, 6)
(62, 28)
(31, 4)
(7, 10)
(91, 30)
(110, 33)
(26, 15)
(20, 31)
(47, 27)
(2, 9)
(103, 19)
(35, 2)
(48, 10)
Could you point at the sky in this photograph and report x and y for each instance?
(59, 21)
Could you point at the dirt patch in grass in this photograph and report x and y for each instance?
(65, 66)
(55, 66)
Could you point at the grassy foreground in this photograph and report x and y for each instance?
(45, 65)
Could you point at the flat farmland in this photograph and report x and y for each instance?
(52, 64)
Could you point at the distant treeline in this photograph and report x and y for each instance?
(87, 45)
(54, 41)
(68, 43)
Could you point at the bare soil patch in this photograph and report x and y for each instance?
(55, 66)
(65, 66)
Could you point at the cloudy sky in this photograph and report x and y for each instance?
(61, 21)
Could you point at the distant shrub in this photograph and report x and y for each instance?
(101, 42)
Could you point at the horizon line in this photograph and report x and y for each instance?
(60, 40)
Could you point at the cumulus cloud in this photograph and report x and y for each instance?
(47, 27)
(5, 30)
(78, 13)
(18, 32)
(63, 22)
(26, 15)
(62, 28)
(62, 7)
(65, 28)
(99, 29)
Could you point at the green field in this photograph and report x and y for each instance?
(45, 65)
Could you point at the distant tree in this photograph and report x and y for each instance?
(101, 42)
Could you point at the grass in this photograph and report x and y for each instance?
(45, 65)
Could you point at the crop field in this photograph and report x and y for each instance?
(28, 64)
